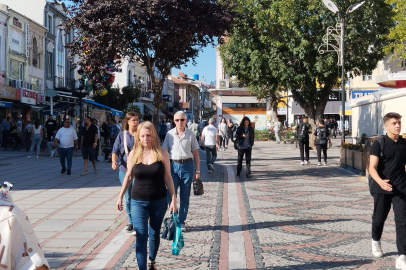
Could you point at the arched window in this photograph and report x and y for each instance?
(35, 56)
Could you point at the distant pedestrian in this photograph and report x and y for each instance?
(162, 130)
(96, 123)
(196, 130)
(36, 137)
(114, 130)
(303, 131)
(230, 131)
(150, 168)
(321, 138)
(169, 124)
(5, 126)
(105, 133)
(88, 144)
(183, 148)
(222, 131)
(189, 123)
(277, 129)
(122, 147)
(245, 138)
(387, 185)
(50, 128)
(27, 135)
(210, 141)
(66, 140)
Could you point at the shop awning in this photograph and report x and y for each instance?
(209, 114)
(5, 104)
(60, 106)
(113, 111)
(150, 107)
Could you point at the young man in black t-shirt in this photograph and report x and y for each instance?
(388, 186)
(51, 128)
(89, 144)
(303, 131)
(321, 138)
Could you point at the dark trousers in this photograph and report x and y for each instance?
(49, 135)
(319, 148)
(382, 205)
(6, 134)
(247, 152)
(211, 154)
(222, 141)
(304, 147)
(229, 136)
(162, 137)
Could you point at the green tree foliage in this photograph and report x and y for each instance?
(397, 34)
(275, 46)
(162, 34)
(119, 98)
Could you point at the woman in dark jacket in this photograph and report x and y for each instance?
(245, 138)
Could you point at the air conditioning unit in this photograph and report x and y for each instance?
(16, 83)
(224, 84)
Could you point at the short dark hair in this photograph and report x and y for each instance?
(391, 115)
(305, 116)
(90, 118)
(321, 121)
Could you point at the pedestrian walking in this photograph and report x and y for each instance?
(333, 127)
(183, 148)
(96, 123)
(36, 137)
(303, 131)
(162, 130)
(66, 140)
(210, 141)
(122, 147)
(27, 135)
(88, 144)
(222, 133)
(245, 138)
(5, 127)
(388, 186)
(196, 130)
(114, 130)
(321, 138)
(50, 128)
(230, 131)
(277, 129)
(149, 165)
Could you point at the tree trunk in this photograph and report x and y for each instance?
(274, 105)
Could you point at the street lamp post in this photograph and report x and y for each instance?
(340, 50)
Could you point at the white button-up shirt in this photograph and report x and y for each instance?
(180, 148)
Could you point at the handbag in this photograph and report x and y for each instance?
(198, 187)
(178, 242)
(168, 230)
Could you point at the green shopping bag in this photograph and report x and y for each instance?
(178, 242)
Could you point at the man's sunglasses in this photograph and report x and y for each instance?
(177, 120)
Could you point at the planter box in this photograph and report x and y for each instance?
(353, 159)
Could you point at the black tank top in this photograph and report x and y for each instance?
(149, 183)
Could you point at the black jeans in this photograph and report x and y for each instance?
(247, 153)
(211, 154)
(304, 147)
(222, 141)
(319, 148)
(229, 136)
(382, 205)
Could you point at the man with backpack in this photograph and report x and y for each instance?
(387, 185)
(303, 131)
(321, 135)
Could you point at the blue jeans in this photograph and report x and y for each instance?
(141, 211)
(182, 175)
(66, 153)
(127, 196)
(36, 140)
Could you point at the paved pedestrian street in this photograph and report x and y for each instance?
(287, 216)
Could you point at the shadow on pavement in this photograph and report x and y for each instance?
(322, 265)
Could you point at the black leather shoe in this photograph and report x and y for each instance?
(63, 170)
(248, 175)
(68, 172)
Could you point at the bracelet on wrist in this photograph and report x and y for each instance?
(197, 171)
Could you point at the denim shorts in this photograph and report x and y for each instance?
(89, 153)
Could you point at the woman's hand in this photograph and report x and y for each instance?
(114, 165)
(173, 208)
(119, 203)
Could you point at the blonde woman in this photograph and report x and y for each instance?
(149, 165)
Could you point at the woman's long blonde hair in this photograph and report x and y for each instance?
(139, 149)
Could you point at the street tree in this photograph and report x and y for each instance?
(161, 34)
(120, 98)
(276, 45)
(397, 34)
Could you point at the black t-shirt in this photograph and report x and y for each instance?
(391, 166)
(89, 135)
(316, 133)
(51, 125)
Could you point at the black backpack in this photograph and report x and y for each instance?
(301, 132)
(321, 135)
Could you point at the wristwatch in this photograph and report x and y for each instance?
(197, 171)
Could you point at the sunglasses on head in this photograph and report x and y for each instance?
(177, 120)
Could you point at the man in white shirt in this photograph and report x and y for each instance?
(182, 146)
(67, 139)
(210, 140)
(277, 128)
(20, 246)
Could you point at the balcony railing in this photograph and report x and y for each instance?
(147, 94)
(64, 84)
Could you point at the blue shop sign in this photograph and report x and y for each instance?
(361, 93)
(6, 104)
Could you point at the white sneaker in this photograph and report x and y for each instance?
(306, 162)
(377, 251)
(52, 153)
(183, 227)
(28, 156)
(401, 262)
(325, 163)
(319, 164)
(302, 163)
(84, 173)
